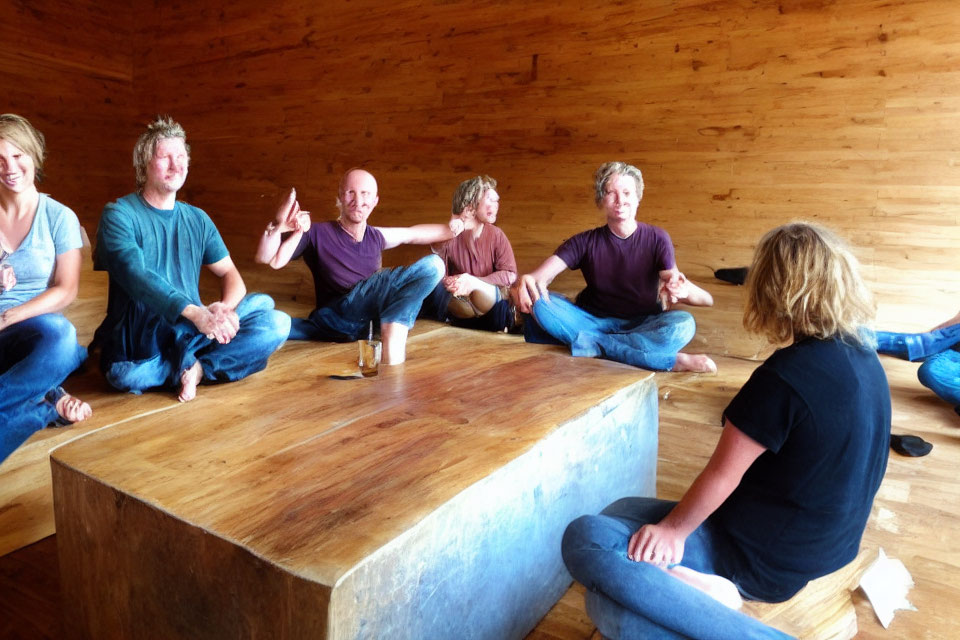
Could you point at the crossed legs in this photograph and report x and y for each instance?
(628, 599)
(652, 342)
(182, 357)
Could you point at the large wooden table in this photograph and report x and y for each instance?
(427, 502)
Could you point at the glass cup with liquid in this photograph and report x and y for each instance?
(370, 351)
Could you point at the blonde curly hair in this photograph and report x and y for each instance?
(805, 282)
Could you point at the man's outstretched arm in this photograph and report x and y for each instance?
(421, 233)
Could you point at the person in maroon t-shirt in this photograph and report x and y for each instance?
(344, 257)
(479, 262)
(624, 313)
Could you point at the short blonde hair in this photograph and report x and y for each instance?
(163, 128)
(805, 282)
(609, 169)
(18, 131)
(470, 192)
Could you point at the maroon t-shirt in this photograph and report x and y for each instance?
(622, 274)
(336, 260)
(490, 257)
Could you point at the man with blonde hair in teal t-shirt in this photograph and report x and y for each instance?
(158, 332)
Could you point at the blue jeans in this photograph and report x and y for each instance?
(150, 353)
(650, 342)
(628, 599)
(940, 370)
(389, 295)
(36, 355)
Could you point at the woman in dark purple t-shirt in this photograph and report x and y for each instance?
(624, 313)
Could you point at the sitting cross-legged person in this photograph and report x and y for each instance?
(157, 332)
(938, 349)
(345, 256)
(786, 495)
(40, 242)
(479, 262)
(625, 313)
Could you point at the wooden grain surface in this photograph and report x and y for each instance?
(68, 68)
(315, 474)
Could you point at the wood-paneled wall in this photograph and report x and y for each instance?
(743, 115)
(68, 68)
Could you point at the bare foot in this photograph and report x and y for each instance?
(189, 380)
(73, 409)
(717, 587)
(699, 363)
(394, 337)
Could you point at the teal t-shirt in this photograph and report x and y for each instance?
(54, 231)
(154, 255)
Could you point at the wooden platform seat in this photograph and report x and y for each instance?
(427, 502)
(824, 609)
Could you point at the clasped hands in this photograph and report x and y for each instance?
(459, 285)
(217, 321)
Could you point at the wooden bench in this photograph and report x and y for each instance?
(426, 502)
(823, 610)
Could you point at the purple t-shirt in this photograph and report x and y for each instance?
(336, 260)
(622, 274)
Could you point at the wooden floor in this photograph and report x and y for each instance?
(916, 517)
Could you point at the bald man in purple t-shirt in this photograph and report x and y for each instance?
(624, 313)
(344, 257)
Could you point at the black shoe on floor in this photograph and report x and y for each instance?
(913, 446)
(736, 275)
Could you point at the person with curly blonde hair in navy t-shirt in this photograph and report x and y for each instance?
(786, 495)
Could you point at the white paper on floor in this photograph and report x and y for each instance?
(886, 583)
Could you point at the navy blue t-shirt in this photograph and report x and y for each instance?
(822, 410)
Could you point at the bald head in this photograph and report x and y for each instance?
(358, 195)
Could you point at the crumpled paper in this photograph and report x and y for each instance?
(886, 583)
